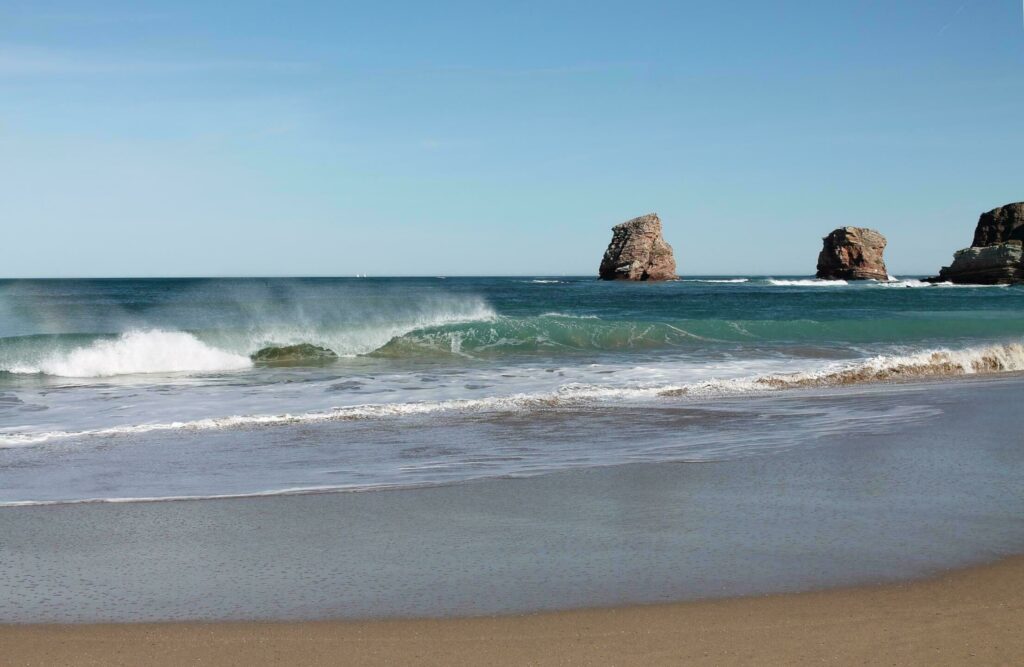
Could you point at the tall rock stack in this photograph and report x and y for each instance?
(638, 252)
(852, 253)
(996, 257)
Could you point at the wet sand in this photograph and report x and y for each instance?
(971, 616)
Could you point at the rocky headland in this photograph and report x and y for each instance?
(638, 252)
(852, 253)
(996, 256)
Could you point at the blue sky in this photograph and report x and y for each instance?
(446, 138)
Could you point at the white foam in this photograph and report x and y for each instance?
(903, 282)
(569, 316)
(927, 363)
(810, 282)
(153, 351)
(716, 280)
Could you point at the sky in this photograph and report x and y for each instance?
(191, 138)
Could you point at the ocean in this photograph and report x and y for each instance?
(145, 389)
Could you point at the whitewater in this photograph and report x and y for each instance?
(120, 389)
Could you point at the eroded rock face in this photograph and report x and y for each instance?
(852, 253)
(1000, 225)
(638, 252)
(995, 258)
(998, 264)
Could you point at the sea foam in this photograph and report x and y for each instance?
(809, 282)
(934, 363)
(152, 351)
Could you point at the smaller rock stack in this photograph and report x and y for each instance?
(852, 253)
(638, 252)
(996, 257)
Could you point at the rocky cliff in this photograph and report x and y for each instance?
(998, 264)
(995, 258)
(852, 253)
(1000, 225)
(638, 252)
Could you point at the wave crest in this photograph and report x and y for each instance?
(886, 368)
(809, 282)
(153, 351)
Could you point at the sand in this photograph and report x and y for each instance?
(973, 616)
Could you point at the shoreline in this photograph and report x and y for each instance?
(840, 508)
(794, 390)
(968, 614)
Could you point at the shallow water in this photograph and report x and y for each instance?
(865, 501)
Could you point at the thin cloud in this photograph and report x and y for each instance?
(94, 19)
(957, 13)
(15, 61)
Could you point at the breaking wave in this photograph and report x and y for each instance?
(136, 352)
(935, 363)
(810, 282)
(480, 334)
(716, 280)
(156, 350)
(555, 333)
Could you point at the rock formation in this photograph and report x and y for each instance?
(852, 253)
(1000, 225)
(995, 257)
(638, 252)
(293, 354)
(989, 265)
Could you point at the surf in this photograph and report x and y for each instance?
(925, 364)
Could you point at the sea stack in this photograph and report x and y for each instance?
(638, 252)
(995, 257)
(852, 253)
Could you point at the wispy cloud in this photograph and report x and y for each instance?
(83, 18)
(957, 13)
(21, 61)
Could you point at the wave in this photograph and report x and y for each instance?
(294, 491)
(985, 360)
(490, 336)
(570, 316)
(134, 352)
(715, 280)
(934, 363)
(809, 282)
(155, 350)
(556, 333)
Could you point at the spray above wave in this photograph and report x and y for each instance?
(884, 368)
(155, 350)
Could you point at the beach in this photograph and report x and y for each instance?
(897, 549)
(775, 490)
(972, 616)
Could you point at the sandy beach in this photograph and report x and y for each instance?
(969, 616)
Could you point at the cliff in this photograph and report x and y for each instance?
(995, 258)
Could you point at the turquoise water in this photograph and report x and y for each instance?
(145, 388)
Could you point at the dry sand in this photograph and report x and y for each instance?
(973, 616)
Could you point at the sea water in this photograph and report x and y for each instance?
(146, 389)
